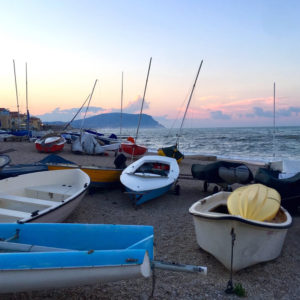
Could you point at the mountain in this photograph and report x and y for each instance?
(112, 120)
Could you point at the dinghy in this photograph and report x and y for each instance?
(131, 149)
(48, 256)
(249, 241)
(41, 196)
(149, 177)
(21, 169)
(50, 144)
(101, 177)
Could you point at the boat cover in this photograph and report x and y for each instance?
(55, 159)
(255, 202)
(20, 169)
(223, 171)
(172, 152)
(288, 188)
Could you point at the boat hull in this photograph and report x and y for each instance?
(100, 177)
(130, 149)
(141, 197)
(83, 254)
(149, 177)
(255, 241)
(49, 148)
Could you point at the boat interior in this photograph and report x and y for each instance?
(31, 201)
(160, 169)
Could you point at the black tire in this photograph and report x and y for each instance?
(177, 189)
(215, 190)
(205, 186)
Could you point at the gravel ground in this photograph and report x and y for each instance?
(175, 241)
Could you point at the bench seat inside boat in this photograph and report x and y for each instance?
(53, 193)
(26, 200)
(13, 214)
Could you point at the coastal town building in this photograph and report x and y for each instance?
(11, 120)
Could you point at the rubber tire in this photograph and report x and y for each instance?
(205, 186)
(215, 190)
(177, 189)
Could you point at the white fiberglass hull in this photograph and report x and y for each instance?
(255, 241)
(49, 278)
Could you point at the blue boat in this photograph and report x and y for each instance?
(41, 256)
(149, 177)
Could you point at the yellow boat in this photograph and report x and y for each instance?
(100, 176)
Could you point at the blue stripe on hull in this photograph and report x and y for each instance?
(144, 196)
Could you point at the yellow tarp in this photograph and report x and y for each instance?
(255, 202)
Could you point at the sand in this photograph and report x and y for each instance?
(175, 241)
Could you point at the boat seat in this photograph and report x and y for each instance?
(14, 213)
(56, 189)
(27, 200)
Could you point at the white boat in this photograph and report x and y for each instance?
(255, 241)
(48, 196)
(47, 256)
(149, 177)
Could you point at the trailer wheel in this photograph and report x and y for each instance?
(215, 190)
(177, 189)
(205, 186)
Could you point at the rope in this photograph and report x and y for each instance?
(229, 288)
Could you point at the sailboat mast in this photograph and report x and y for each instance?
(88, 106)
(16, 86)
(27, 111)
(121, 106)
(274, 120)
(137, 130)
(186, 109)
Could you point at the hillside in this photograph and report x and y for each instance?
(112, 120)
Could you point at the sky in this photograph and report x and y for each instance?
(245, 46)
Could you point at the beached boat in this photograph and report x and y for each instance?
(149, 177)
(4, 160)
(220, 233)
(131, 149)
(284, 176)
(42, 196)
(21, 169)
(47, 256)
(50, 144)
(101, 177)
(222, 173)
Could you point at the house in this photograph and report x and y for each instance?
(5, 121)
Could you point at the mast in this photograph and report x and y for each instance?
(189, 102)
(274, 121)
(27, 111)
(16, 86)
(88, 105)
(121, 106)
(137, 131)
(77, 113)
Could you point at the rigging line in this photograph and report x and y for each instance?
(79, 110)
(189, 101)
(16, 87)
(137, 131)
(121, 115)
(88, 106)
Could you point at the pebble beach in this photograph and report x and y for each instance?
(175, 241)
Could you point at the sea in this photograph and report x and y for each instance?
(246, 143)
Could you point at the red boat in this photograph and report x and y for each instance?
(130, 148)
(50, 144)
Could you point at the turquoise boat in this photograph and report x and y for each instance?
(46, 256)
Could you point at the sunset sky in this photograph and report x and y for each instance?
(246, 46)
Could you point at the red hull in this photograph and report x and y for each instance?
(49, 148)
(133, 149)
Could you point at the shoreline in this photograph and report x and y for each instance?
(175, 241)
